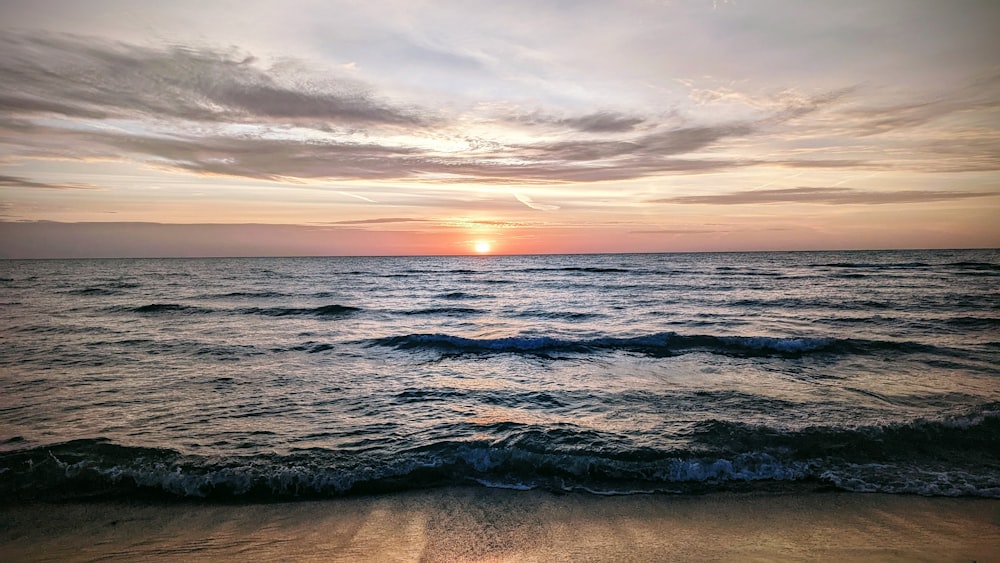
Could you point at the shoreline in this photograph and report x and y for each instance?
(475, 523)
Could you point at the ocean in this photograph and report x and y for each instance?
(264, 379)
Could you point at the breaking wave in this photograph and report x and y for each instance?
(322, 311)
(948, 457)
(180, 309)
(662, 344)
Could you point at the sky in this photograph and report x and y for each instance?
(401, 127)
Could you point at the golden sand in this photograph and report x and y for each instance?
(463, 524)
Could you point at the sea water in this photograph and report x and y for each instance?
(282, 378)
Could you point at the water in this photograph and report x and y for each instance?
(280, 378)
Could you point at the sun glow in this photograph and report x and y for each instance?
(481, 246)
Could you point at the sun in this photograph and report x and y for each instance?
(481, 246)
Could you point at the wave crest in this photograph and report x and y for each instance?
(954, 456)
(334, 310)
(662, 344)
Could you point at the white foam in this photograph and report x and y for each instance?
(500, 485)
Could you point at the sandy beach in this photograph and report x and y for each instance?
(458, 524)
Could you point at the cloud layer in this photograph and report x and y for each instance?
(637, 120)
(18, 182)
(183, 99)
(826, 196)
(224, 112)
(90, 78)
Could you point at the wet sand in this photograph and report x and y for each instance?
(500, 525)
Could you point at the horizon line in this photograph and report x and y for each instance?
(500, 255)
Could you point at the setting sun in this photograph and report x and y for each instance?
(482, 246)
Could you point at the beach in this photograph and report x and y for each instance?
(700, 407)
(500, 281)
(474, 523)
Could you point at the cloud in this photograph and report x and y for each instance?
(681, 231)
(19, 182)
(879, 120)
(90, 78)
(180, 103)
(281, 159)
(773, 107)
(378, 221)
(603, 122)
(466, 223)
(51, 239)
(824, 163)
(214, 111)
(825, 196)
(596, 122)
(979, 94)
(531, 203)
(356, 196)
(663, 143)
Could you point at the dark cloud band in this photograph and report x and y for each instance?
(825, 196)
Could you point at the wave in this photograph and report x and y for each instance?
(122, 284)
(334, 310)
(964, 268)
(310, 347)
(96, 468)
(973, 323)
(662, 344)
(744, 271)
(445, 271)
(445, 311)
(558, 315)
(158, 308)
(876, 265)
(91, 291)
(113, 287)
(459, 295)
(806, 304)
(954, 456)
(588, 270)
(982, 266)
(249, 294)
